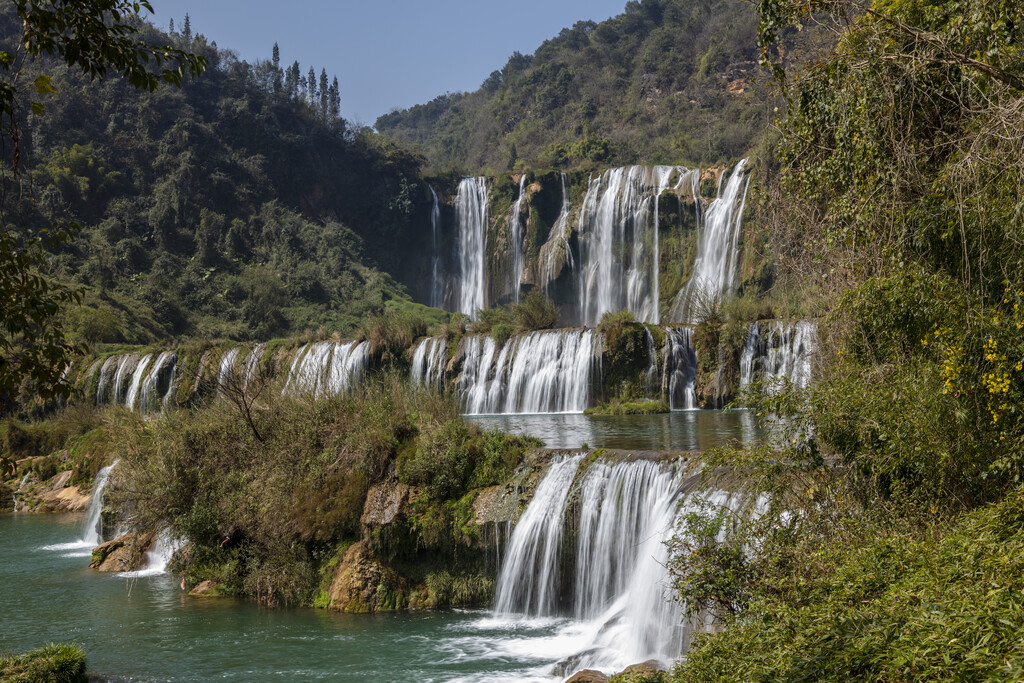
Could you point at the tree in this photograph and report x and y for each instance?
(186, 31)
(292, 81)
(311, 86)
(98, 37)
(277, 69)
(335, 100)
(324, 94)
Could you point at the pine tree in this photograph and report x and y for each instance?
(186, 32)
(311, 86)
(292, 79)
(325, 94)
(335, 100)
(277, 69)
(171, 29)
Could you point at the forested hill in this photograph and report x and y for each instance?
(238, 206)
(667, 81)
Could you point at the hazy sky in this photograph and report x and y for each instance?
(386, 53)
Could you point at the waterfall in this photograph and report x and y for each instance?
(92, 534)
(158, 556)
(651, 376)
(556, 252)
(538, 372)
(116, 370)
(436, 292)
(471, 216)
(147, 398)
(680, 368)
(515, 225)
(124, 365)
(428, 362)
(137, 377)
(776, 352)
(618, 231)
(252, 363)
(528, 581)
(620, 593)
(714, 270)
(327, 368)
(226, 371)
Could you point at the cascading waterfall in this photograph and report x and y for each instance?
(714, 270)
(776, 352)
(92, 534)
(428, 362)
(680, 368)
(528, 581)
(471, 216)
(556, 252)
(515, 225)
(619, 250)
(621, 595)
(651, 376)
(158, 556)
(252, 364)
(147, 399)
(539, 372)
(137, 377)
(124, 371)
(226, 371)
(436, 290)
(327, 368)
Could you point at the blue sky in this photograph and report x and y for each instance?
(386, 53)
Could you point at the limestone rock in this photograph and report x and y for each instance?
(588, 676)
(126, 553)
(650, 666)
(362, 584)
(385, 503)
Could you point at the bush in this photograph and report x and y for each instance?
(49, 664)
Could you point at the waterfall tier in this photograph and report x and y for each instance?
(471, 217)
(539, 372)
(327, 368)
(777, 352)
(428, 362)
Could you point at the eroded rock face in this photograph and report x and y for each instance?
(126, 553)
(362, 584)
(588, 676)
(206, 589)
(386, 503)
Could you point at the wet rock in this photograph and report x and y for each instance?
(572, 662)
(362, 584)
(649, 667)
(588, 676)
(6, 498)
(126, 553)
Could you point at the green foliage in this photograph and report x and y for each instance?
(535, 312)
(48, 664)
(461, 590)
(444, 460)
(895, 606)
(617, 407)
(667, 81)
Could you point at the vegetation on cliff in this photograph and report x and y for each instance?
(51, 663)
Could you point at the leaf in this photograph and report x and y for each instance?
(43, 85)
(38, 109)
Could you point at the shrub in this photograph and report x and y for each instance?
(49, 664)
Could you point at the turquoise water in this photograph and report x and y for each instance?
(147, 630)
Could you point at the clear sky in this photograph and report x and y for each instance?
(385, 53)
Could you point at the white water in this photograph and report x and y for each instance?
(619, 608)
(528, 581)
(777, 352)
(714, 269)
(92, 531)
(137, 376)
(327, 368)
(226, 371)
(556, 253)
(680, 368)
(471, 217)
(618, 232)
(148, 393)
(539, 372)
(428, 362)
(157, 557)
(252, 363)
(515, 225)
(436, 290)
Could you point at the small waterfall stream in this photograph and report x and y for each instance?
(556, 253)
(428, 362)
(515, 225)
(680, 368)
(776, 352)
(92, 530)
(327, 368)
(436, 289)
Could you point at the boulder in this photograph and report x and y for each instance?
(649, 667)
(362, 584)
(572, 662)
(588, 676)
(126, 553)
(385, 503)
